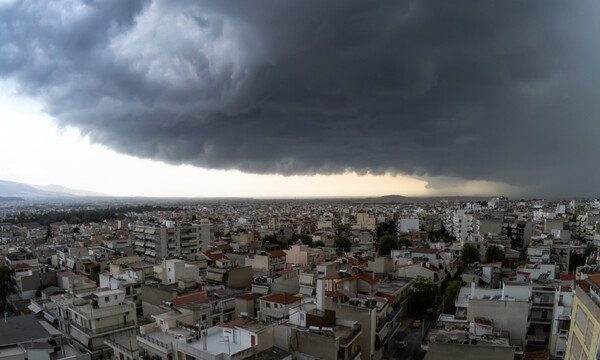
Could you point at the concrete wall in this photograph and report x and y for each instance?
(506, 315)
(366, 317)
(152, 298)
(240, 277)
(319, 346)
(243, 305)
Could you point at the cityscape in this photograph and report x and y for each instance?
(299, 180)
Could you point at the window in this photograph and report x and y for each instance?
(203, 317)
(106, 299)
(302, 316)
(116, 297)
(267, 305)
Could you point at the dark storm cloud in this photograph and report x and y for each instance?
(503, 91)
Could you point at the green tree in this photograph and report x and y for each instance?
(342, 243)
(423, 295)
(470, 254)
(272, 239)
(5, 286)
(404, 242)
(575, 261)
(305, 239)
(386, 228)
(316, 244)
(452, 291)
(494, 254)
(386, 244)
(590, 249)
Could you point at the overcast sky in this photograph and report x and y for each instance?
(301, 98)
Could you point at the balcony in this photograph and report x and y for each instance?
(355, 354)
(90, 312)
(348, 339)
(540, 320)
(102, 330)
(165, 346)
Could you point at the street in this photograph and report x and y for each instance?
(412, 337)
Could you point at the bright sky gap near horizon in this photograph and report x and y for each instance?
(414, 98)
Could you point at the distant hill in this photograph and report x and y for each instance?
(66, 190)
(10, 198)
(21, 190)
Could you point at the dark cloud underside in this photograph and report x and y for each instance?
(480, 90)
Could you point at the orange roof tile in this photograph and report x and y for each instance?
(276, 253)
(188, 299)
(284, 299)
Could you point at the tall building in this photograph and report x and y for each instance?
(584, 339)
(170, 239)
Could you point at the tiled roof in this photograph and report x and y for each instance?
(595, 278)
(427, 251)
(390, 298)
(66, 274)
(431, 267)
(20, 266)
(406, 265)
(368, 277)
(275, 253)
(215, 256)
(281, 298)
(287, 271)
(188, 299)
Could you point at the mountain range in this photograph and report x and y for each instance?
(21, 190)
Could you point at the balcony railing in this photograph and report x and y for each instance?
(348, 339)
(102, 329)
(165, 345)
(355, 354)
(122, 348)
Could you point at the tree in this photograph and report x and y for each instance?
(404, 242)
(272, 239)
(494, 254)
(452, 291)
(342, 243)
(590, 249)
(470, 254)
(48, 233)
(5, 286)
(317, 243)
(441, 235)
(386, 228)
(305, 239)
(424, 293)
(575, 261)
(387, 244)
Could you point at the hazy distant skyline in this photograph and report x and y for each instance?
(302, 98)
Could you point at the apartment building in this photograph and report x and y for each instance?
(92, 319)
(171, 239)
(584, 331)
(268, 262)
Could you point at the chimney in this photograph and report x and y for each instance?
(472, 289)
(320, 295)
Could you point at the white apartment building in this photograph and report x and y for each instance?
(155, 242)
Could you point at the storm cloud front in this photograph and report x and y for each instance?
(499, 91)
